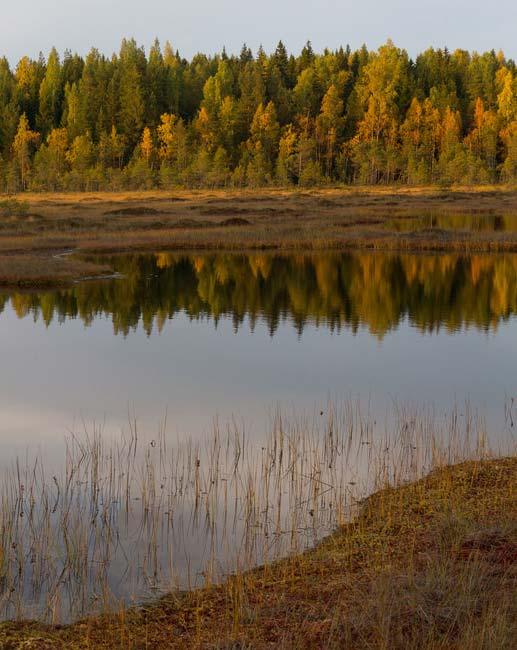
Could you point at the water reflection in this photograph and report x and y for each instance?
(137, 522)
(374, 290)
(483, 222)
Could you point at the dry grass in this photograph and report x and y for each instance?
(31, 271)
(268, 219)
(429, 565)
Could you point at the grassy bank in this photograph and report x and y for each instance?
(42, 270)
(432, 564)
(36, 225)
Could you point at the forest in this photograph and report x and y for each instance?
(139, 120)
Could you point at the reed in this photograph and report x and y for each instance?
(128, 519)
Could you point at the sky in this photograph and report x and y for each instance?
(207, 25)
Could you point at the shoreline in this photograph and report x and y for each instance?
(430, 562)
(230, 220)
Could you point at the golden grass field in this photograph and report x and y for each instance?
(336, 218)
(429, 565)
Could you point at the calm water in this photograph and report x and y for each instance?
(232, 336)
(198, 336)
(482, 222)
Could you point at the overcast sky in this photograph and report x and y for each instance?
(31, 26)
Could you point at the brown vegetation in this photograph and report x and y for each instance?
(235, 220)
(428, 565)
(44, 270)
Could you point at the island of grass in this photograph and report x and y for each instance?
(37, 229)
(432, 564)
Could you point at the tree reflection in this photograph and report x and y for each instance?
(373, 290)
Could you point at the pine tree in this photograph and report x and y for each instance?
(132, 107)
(28, 77)
(156, 82)
(362, 116)
(9, 110)
(329, 126)
(50, 95)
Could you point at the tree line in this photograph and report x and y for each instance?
(140, 120)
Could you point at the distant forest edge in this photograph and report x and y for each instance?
(156, 120)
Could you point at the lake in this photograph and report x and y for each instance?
(233, 335)
(178, 344)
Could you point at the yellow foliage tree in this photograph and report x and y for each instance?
(24, 141)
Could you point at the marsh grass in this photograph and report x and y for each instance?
(273, 219)
(13, 207)
(422, 563)
(126, 520)
(37, 271)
